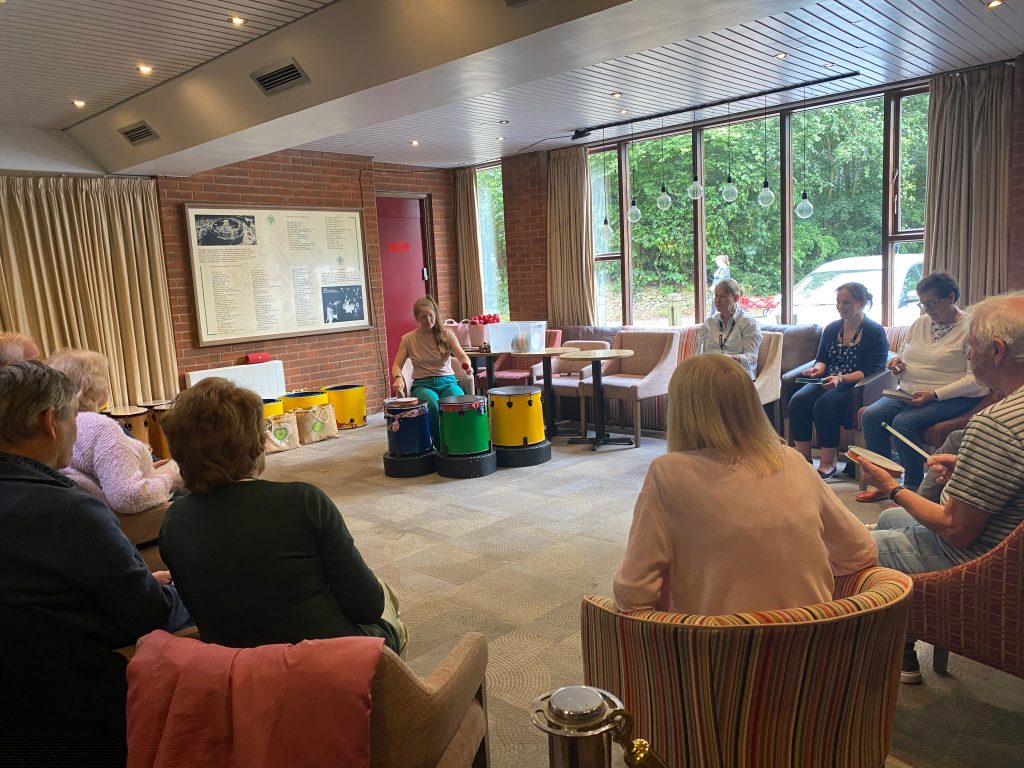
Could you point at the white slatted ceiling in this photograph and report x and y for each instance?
(888, 41)
(54, 51)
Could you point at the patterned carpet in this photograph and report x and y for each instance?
(511, 554)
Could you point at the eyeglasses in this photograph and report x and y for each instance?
(927, 306)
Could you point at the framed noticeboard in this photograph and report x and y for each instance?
(264, 273)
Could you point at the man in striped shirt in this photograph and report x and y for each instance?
(983, 501)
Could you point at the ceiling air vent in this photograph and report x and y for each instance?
(139, 133)
(279, 77)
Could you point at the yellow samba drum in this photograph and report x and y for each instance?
(272, 406)
(133, 420)
(295, 400)
(517, 416)
(349, 401)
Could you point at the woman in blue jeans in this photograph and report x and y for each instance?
(431, 348)
(851, 348)
(932, 369)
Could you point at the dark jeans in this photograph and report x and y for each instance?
(823, 409)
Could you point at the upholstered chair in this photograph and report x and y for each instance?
(809, 687)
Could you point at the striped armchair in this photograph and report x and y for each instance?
(810, 687)
(975, 609)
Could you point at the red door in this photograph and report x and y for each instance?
(403, 259)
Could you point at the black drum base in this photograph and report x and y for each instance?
(467, 466)
(524, 456)
(415, 465)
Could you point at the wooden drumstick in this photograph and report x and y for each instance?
(907, 441)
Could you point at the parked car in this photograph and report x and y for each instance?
(759, 306)
(814, 297)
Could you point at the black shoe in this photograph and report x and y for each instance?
(911, 672)
(827, 475)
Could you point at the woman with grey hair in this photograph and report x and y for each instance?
(729, 331)
(106, 462)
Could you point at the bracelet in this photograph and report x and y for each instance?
(894, 491)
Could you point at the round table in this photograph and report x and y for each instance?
(549, 394)
(596, 358)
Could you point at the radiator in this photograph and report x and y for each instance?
(265, 379)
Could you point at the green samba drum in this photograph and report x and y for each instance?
(464, 425)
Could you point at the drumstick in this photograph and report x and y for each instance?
(907, 441)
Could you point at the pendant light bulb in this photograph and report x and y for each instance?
(804, 209)
(695, 190)
(606, 232)
(729, 191)
(634, 213)
(664, 201)
(766, 197)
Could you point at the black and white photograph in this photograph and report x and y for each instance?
(342, 304)
(220, 230)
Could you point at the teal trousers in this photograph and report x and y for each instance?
(431, 389)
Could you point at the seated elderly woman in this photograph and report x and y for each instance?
(729, 331)
(934, 376)
(105, 461)
(260, 562)
(731, 520)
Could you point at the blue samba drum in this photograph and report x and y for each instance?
(408, 427)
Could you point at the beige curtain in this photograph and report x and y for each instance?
(467, 240)
(966, 230)
(570, 241)
(82, 265)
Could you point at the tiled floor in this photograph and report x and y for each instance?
(511, 554)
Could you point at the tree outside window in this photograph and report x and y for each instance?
(490, 217)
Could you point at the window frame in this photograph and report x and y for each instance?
(480, 251)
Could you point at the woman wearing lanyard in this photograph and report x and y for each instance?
(729, 331)
(852, 348)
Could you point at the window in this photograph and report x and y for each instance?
(913, 148)
(744, 238)
(604, 207)
(908, 269)
(490, 217)
(842, 241)
(662, 247)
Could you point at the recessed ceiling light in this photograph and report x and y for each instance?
(828, 65)
(781, 56)
(78, 103)
(500, 138)
(503, 122)
(616, 95)
(623, 111)
(992, 3)
(414, 143)
(145, 69)
(237, 21)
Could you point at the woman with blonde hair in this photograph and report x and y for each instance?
(431, 348)
(105, 461)
(731, 520)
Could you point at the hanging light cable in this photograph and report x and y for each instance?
(765, 197)
(634, 213)
(664, 200)
(804, 209)
(605, 231)
(729, 191)
(695, 190)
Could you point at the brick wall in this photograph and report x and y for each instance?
(524, 181)
(1015, 267)
(301, 178)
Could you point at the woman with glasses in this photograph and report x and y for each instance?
(932, 371)
(729, 331)
(851, 348)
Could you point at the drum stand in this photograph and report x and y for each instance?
(523, 455)
(412, 465)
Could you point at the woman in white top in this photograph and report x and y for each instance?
(729, 331)
(730, 519)
(431, 348)
(932, 369)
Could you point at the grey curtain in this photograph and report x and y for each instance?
(82, 265)
(570, 239)
(467, 240)
(966, 230)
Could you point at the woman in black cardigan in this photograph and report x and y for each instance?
(851, 348)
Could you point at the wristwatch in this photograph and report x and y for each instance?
(894, 491)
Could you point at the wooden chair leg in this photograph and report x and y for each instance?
(636, 423)
(940, 660)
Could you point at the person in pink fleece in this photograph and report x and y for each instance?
(105, 461)
(730, 520)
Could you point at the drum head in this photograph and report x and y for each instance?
(462, 400)
(128, 410)
(514, 391)
(878, 460)
(401, 402)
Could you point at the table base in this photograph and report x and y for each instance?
(596, 442)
